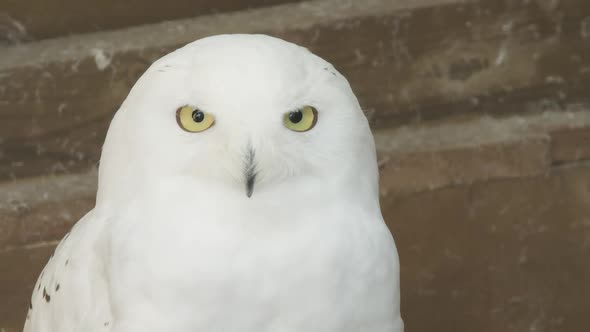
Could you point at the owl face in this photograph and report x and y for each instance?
(246, 112)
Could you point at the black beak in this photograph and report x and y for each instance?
(250, 172)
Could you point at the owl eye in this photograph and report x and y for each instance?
(302, 119)
(194, 120)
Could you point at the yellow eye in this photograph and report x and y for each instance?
(194, 120)
(302, 119)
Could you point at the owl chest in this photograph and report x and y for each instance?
(250, 248)
(255, 264)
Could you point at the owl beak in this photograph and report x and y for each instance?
(250, 172)
(250, 180)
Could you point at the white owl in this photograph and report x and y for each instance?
(238, 191)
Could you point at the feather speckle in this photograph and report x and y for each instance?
(46, 296)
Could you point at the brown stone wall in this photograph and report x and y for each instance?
(480, 110)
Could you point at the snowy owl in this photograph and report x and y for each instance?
(237, 191)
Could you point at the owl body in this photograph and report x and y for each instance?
(249, 225)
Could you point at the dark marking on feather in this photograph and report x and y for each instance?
(164, 68)
(250, 171)
(329, 71)
(56, 287)
(46, 296)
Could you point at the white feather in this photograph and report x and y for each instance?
(175, 244)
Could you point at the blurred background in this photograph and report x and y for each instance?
(480, 111)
